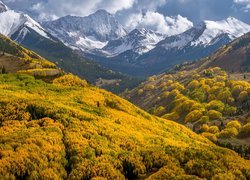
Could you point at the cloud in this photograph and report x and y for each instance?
(46, 9)
(142, 11)
(245, 3)
(157, 22)
(78, 7)
(148, 13)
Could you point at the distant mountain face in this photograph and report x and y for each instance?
(26, 31)
(93, 31)
(100, 37)
(144, 52)
(19, 24)
(138, 40)
(234, 57)
(195, 43)
(206, 34)
(101, 33)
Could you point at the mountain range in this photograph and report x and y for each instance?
(85, 33)
(101, 38)
(135, 52)
(23, 29)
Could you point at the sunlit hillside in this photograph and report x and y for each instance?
(207, 101)
(69, 129)
(16, 59)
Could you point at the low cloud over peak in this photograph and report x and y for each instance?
(157, 14)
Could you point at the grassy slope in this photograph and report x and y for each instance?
(69, 129)
(71, 62)
(18, 59)
(235, 57)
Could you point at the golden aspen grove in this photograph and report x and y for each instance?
(187, 125)
(57, 131)
(205, 100)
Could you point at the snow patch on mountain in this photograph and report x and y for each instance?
(11, 22)
(207, 33)
(90, 42)
(231, 26)
(138, 40)
(88, 32)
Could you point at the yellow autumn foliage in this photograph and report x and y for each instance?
(67, 130)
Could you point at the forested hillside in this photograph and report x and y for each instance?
(16, 59)
(207, 101)
(70, 130)
(73, 62)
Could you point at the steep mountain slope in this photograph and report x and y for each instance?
(16, 59)
(132, 57)
(85, 33)
(20, 24)
(141, 40)
(206, 100)
(24, 30)
(234, 57)
(70, 61)
(196, 43)
(69, 130)
(3, 7)
(138, 41)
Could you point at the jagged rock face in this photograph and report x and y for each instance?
(90, 32)
(138, 40)
(13, 22)
(198, 42)
(3, 7)
(140, 49)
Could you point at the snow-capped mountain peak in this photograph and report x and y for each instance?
(3, 7)
(231, 26)
(138, 40)
(207, 33)
(101, 12)
(13, 22)
(90, 32)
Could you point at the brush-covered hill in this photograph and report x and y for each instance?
(71, 130)
(207, 101)
(16, 59)
(234, 57)
(71, 61)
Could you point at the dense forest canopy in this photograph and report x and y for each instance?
(69, 129)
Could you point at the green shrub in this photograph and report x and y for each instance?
(213, 129)
(228, 133)
(193, 116)
(214, 115)
(245, 130)
(211, 136)
(216, 105)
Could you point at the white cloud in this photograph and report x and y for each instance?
(157, 22)
(245, 3)
(58, 8)
(131, 13)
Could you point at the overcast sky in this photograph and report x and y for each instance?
(130, 12)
